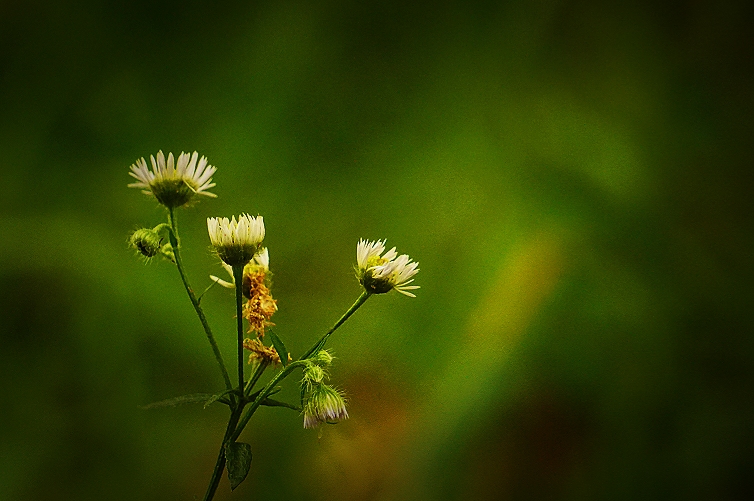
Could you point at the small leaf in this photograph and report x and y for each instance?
(238, 455)
(176, 401)
(269, 402)
(279, 347)
(219, 396)
(212, 400)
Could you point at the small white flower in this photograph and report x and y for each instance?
(236, 242)
(380, 273)
(174, 183)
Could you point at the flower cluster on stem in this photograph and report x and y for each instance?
(321, 402)
(238, 242)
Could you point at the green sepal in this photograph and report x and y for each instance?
(238, 456)
(279, 346)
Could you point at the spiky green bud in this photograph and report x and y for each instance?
(147, 242)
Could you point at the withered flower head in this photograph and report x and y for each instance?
(259, 306)
(261, 353)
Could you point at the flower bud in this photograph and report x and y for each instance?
(324, 404)
(314, 374)
(147, 242)
(167, 252)
(323, 358)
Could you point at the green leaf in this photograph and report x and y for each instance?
(269, 402)
(219, 396)
(176, 401)
(212, 399)
(279, 347)
(238, 456)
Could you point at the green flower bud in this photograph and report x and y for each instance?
(314, 374)
(323, 358)
(325, 404)
(147, 242)
(167, 252)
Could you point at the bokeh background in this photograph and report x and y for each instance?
(572, 176)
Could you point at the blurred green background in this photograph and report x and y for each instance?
(572, 176)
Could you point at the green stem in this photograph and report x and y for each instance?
(255, 377)
(238, 277)
(262, 395)
(217, 473)
(179, 263)
(321, 343)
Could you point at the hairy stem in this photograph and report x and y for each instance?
(175, 243)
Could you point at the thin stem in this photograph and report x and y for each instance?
(179, 263)
(268, 402)
(217, 473)
(262, 395)
(199, 298)
(160, 227)
(238, 277)
(255, 377)
(321, 343)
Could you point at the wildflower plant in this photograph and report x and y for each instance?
(238, 243)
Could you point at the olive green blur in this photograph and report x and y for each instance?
(573, 177)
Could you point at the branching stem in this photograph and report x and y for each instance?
(285, 372)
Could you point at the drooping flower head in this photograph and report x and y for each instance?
(147, 242)
(324, 404)
(173, 183)
(379, 273)
(236, 242)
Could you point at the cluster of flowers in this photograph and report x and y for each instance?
(238, 243)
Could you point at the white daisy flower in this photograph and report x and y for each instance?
(380, 273)
(173, 183)
(236, 242)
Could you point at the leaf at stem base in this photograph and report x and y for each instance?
(238, 456)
